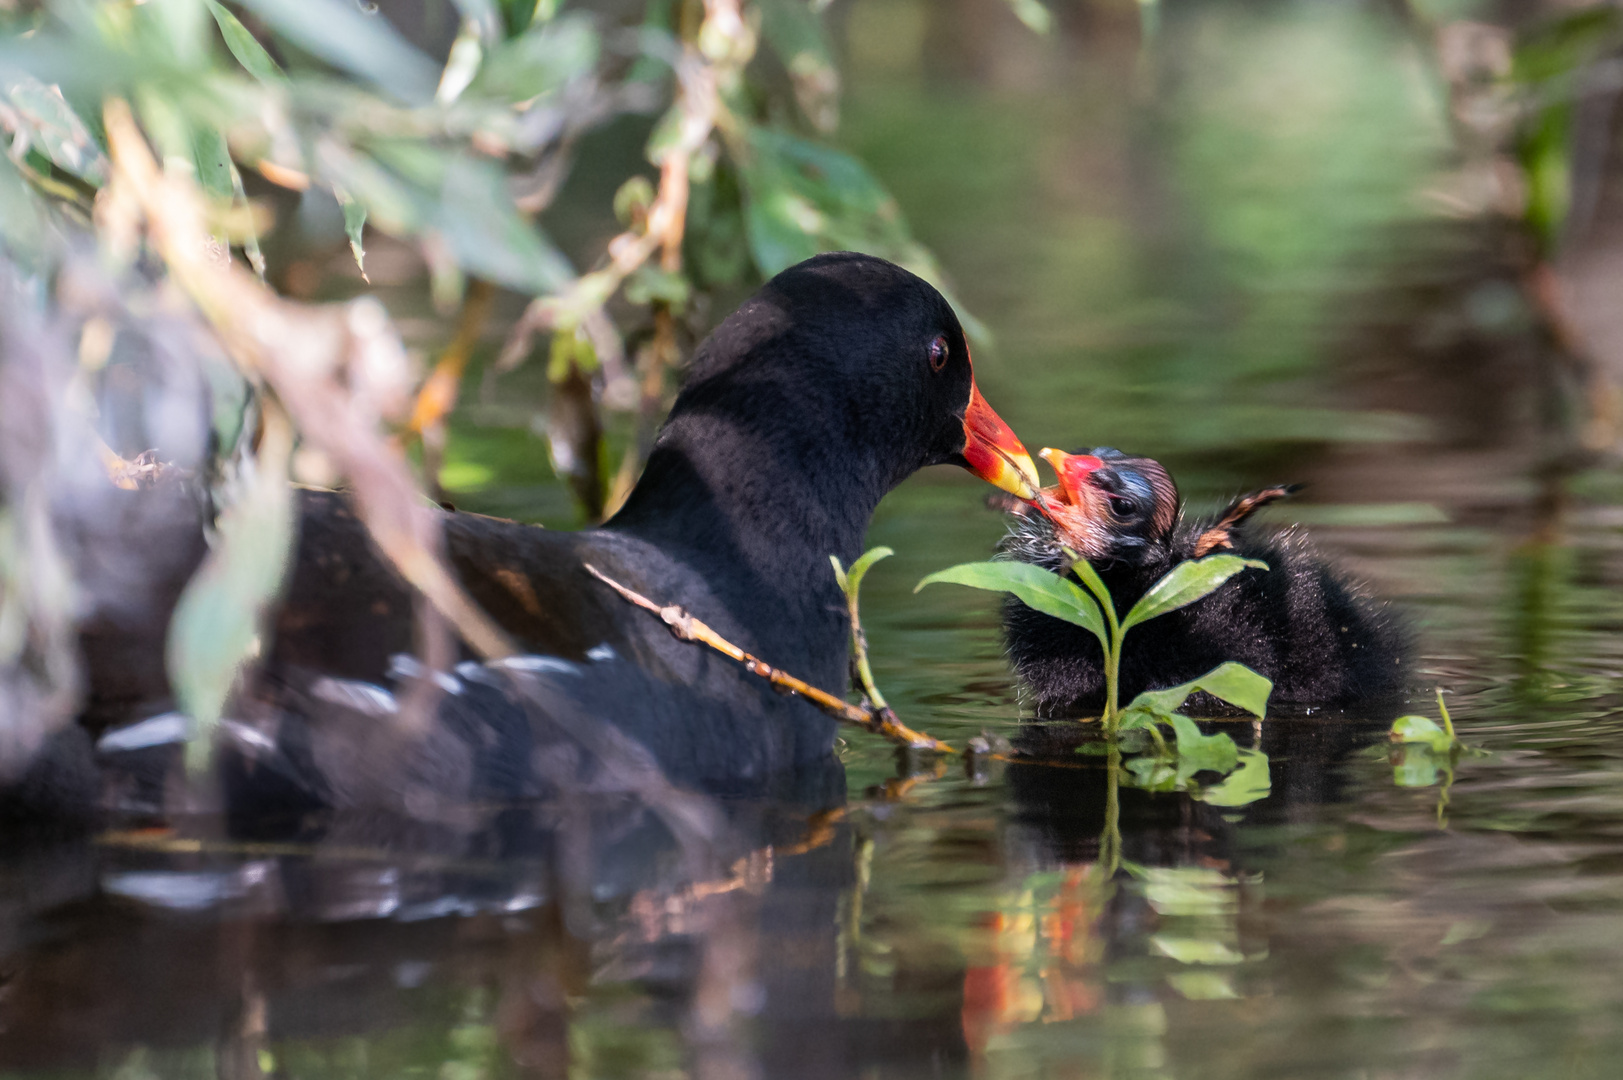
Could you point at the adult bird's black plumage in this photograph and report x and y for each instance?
(837, 380)
(1324, 644)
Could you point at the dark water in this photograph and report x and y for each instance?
(1225, 261)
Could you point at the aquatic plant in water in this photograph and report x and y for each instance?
(1160, 765)
(1425, 752)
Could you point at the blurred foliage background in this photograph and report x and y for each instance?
(463, 248)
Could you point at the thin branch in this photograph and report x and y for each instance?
(688, 628)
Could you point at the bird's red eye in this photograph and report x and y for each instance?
(939, 352)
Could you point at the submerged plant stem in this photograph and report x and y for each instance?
(1110, 839)
(859, 649)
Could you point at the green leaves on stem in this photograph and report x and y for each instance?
(1032, 585)
(1054, 595)
(1169, 767)
(1173, 768)
(1231, 682)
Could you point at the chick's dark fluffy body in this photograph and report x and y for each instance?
(1325, 645)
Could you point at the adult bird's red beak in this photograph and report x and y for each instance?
(992, 451)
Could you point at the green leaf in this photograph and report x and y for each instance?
(1095, 584)
(542, 60)
(1188, 582)
(245, 47)
(1249, 782)
(1191, 950)
(1202, 892)
(650, 282)
(795, 32)
(216, 624)
(391, 203)
(463, 198)
(484, 16)
(250, 243)
(1137, 716)
(1151, 774)
(1417, 766)
(1422, 729)
(23, 227)
(165, 123)
(1232, 682)
(839, 575)
(1038, 19)
(354, 227)
(782, 227)
(179, 27)
(634, 197)
(489, 236)
(860, 568)
(461, 65)
(367, 46)
(1203, 985)
(1567, 44)
(48, 122)
(1032, 586)
(1200, 753)
(213, 162)
(802, 197)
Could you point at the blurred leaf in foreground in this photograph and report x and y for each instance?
(38, 115)
(217, 622)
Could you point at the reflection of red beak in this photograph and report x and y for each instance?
(992, 451)
(1072, 470)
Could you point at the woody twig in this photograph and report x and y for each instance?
(688, 628)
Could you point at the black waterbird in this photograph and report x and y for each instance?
(837, 380)
(1323, 642)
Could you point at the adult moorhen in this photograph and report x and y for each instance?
(838, 379)
(1324, 644)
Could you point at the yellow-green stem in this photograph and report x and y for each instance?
(1110, 841)
(859, 642)
(1112, 679)
(859, 646)
(1448, 725)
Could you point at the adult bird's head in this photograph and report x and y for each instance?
(837, 380)
(1108, 505)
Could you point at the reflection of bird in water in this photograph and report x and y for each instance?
(641, 915)
(1324, 644)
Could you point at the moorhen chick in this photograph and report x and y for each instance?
(1324, 644)
(841, 377)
